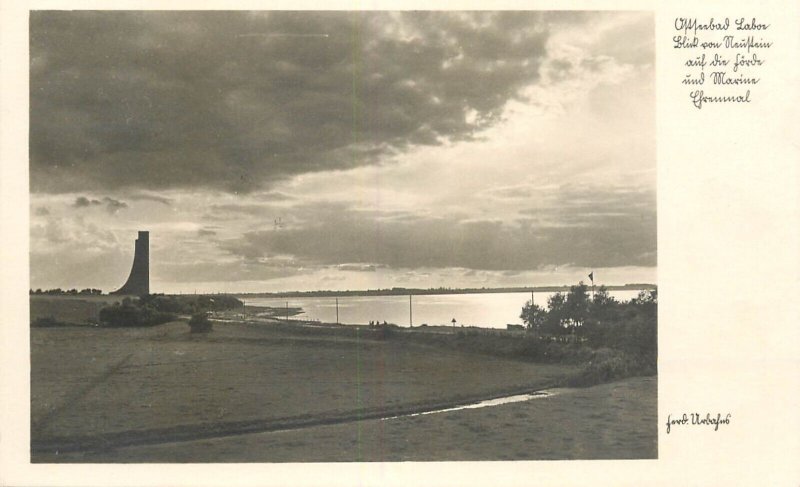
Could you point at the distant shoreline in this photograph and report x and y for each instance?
(439, 291)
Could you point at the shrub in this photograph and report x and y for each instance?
(133, 313)
(608, 365)
(199, 323)
(191, 304)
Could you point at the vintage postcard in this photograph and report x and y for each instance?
(439, 244)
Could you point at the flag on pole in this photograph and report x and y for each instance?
(591, 276)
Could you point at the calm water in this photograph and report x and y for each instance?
(493, 310)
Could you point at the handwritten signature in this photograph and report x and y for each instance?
(697, 420)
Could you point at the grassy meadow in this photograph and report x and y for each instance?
(74, 310)
(608, 421)
(125, 394)
(93, 386)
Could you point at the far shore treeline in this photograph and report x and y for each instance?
(404, 291)
(68, 292)
(395, 291)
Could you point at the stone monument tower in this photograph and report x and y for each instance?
(138, 282)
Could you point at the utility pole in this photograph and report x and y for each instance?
(410, 314)
(337, 311)
(533, 314)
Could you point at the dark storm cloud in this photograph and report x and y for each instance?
(84, 202)
(111, 205)
(239, 100)
(600, 238)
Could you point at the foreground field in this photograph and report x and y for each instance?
(610, 421)
(97, 390)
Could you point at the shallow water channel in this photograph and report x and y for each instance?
(133, 438)
(482, 404)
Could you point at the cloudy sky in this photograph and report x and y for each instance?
(273, 151)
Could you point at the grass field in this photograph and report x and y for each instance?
(108, 385)
(609, 421)
(162, 394)
(78, 310)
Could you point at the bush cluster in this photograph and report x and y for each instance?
(622, 336)
(610, 365)
(191, 304)
(600, 321)
(155, 309)
(133, 313)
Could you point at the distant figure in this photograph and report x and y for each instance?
(384, 323)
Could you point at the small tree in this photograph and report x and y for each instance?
(577, 306)
(556, 305)
(642, 332)
(605, 313)
(534, 317)
(602, 301)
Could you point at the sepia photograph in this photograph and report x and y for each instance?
(342, 236)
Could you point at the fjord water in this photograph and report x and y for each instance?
(487, 310)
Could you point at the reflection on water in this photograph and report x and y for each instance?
(482, 404)
(489, 310)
